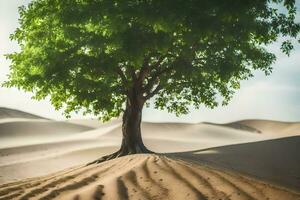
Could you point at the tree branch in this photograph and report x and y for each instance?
(133, 74)
(158, 63)
(122, 76)
(124, 80)
(154, 92)
(158, 72)
(154, 78)
(145, 70)
(150, 84)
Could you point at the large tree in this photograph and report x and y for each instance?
(109, 57)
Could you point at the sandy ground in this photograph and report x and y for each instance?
(250, 159)
(144, 177)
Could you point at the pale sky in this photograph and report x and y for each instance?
(275, 97)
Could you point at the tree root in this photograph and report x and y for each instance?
(118, 154)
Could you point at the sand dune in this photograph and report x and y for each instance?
(223, 154)
(12, 113)
(22, 154)
(276, 161)
(272, 127)
(144, 177)
(27, 132)
(94, 123)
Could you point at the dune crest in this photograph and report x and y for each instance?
(143, 177)
(271, 127)
(13, 113)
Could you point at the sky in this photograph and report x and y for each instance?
(274, 97)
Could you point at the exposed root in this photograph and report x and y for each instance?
(120, 153)
(106, 158)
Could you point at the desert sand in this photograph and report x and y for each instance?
(144, 177)
(250, 159)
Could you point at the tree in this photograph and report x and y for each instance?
(110, 57)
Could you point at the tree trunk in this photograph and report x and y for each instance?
(132, 142)
(131, 128)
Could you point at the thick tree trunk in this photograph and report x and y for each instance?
(132, 142)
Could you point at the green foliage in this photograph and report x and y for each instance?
(91, 53)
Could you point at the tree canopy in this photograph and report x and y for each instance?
(89, 54)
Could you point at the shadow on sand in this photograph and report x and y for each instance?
(276, 160)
